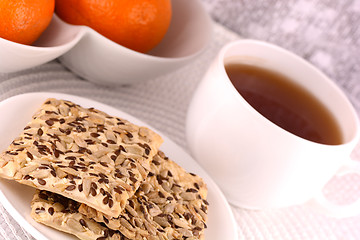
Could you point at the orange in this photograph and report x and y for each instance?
(136, 24)
(23, 21)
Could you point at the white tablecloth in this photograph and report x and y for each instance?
(324, 32)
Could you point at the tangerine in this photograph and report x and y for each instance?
(136, 24)
(23, 21)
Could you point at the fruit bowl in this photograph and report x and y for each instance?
(102, 61)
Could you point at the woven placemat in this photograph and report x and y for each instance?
(163, 103)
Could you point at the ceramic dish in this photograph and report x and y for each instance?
(17, 111)
(102, 61)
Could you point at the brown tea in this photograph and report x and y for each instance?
(285, 103)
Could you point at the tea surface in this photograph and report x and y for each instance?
(285, 103)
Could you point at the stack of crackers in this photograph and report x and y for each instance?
(101, 177)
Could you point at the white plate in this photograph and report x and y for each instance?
(17, 111)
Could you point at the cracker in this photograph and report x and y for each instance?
(62, 214)
(81, 153)
(170, 204)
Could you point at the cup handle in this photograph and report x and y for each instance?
(321, 204)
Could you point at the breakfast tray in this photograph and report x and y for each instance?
(163, 103)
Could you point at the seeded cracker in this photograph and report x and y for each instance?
(170, 204)
(83, 154)
(61, 213)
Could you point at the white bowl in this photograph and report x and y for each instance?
(102, 61)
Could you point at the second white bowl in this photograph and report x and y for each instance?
(102, 61)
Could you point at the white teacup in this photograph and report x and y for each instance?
(258, 164)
